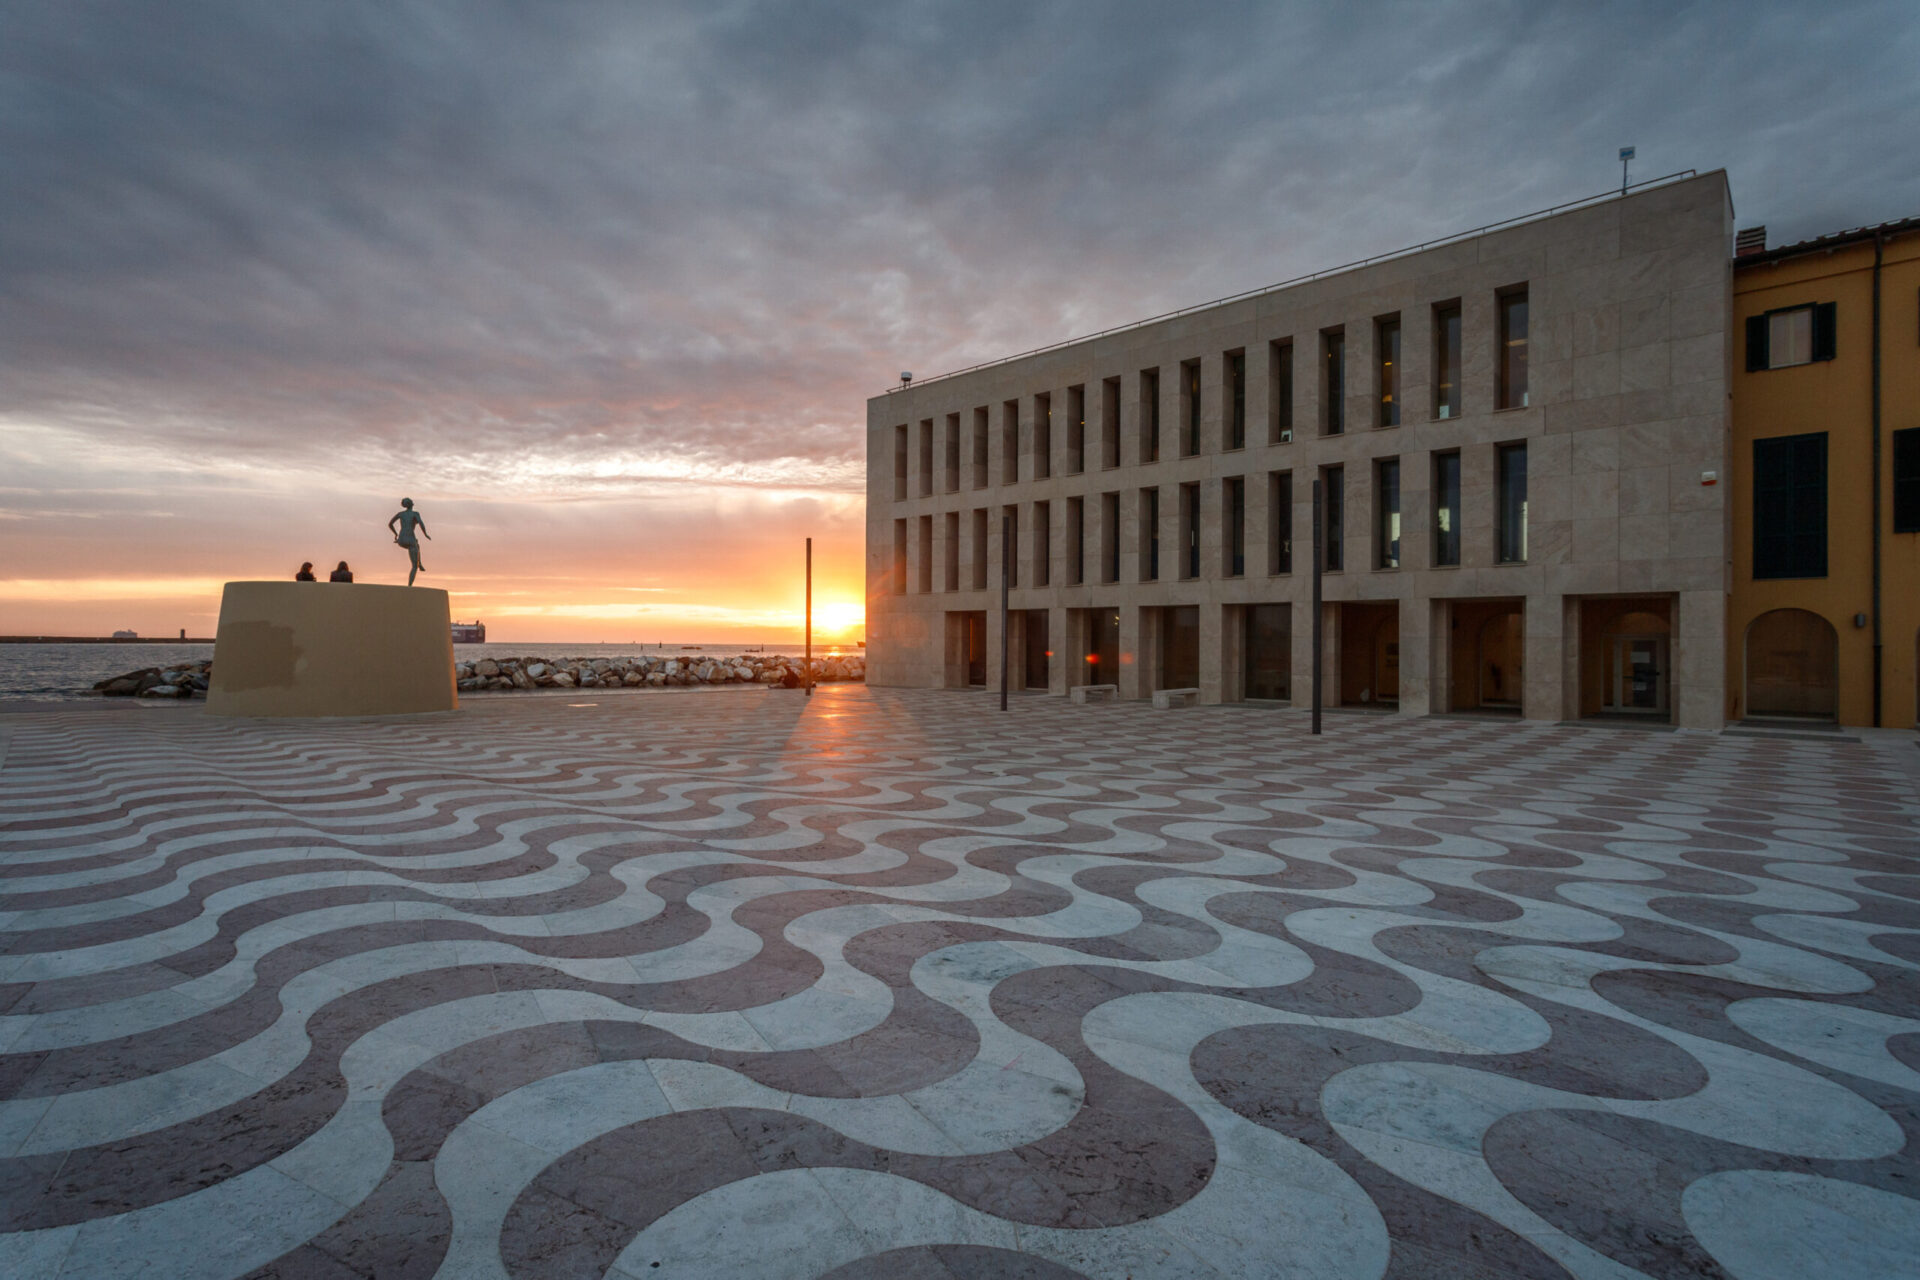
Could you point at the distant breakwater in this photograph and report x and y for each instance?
(190, 679)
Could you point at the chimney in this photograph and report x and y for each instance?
(1750, 241)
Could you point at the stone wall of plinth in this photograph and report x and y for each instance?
(331, 649)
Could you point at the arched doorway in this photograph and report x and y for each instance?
(1793, 665)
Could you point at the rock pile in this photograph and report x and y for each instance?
(488, 674)
(648, 672)
(181, 681)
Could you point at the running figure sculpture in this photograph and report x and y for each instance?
(408, 519)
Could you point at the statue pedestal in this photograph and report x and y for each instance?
(331, 649)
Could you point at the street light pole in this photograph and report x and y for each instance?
(1006, 562)
(807, 662)
(1319, 563)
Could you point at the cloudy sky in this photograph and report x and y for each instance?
(605, 287)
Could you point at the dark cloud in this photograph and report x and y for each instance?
(645, 247)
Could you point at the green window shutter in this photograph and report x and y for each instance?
(1790, 506)
(1906, 480)
(1825, 315)
(1756, 343)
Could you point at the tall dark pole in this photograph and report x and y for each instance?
(1319, 563)
(808, 661)
(1006, 562)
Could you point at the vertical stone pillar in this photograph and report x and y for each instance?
(1699, 682)
(1212, 653)
(1416, 657)
(1544, 649)
(1136, 651)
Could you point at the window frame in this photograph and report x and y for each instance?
(1446, 540)
(1387, 370)
(1504, 526)
(1387, 514)
(1906, 486)
(1504, 362)
(1769, 563)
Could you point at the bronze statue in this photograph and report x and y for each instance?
(408, 519)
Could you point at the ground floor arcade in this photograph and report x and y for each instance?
(1650, 658)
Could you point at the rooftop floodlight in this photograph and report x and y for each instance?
(905, 377)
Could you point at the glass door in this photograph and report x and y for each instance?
(1638, 675)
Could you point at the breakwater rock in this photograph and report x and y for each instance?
(183, 680)
(189, 679)
(648, 672)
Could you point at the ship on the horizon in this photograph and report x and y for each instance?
(474, 632)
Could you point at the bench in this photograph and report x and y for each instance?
(1081, 694)
(1165, 699)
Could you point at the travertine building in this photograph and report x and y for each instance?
(1520, 434)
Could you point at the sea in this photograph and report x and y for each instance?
(56, 672)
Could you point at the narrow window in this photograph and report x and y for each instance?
(1076, 541)
(926, 456)
(1280, 387)
(1042, 544)
(1149, 535)
(924, 560)
(1513, 349)
(1906, 480)
(980, 447)
(1446, 361)
(1010, 526)
(1150, 415)
(1386, 341)
(950, 478)
(1110, 537)
(1790, 506)
(1042, 436)
(1076, 430)
(1333, 346)
(1280, 522)
(950, 575)
(1386, 506)
(1110, 423)
(1510, 476)
(1190, 405)
(1010, 442)
(1237, 400)
(979, 548)
(899, 575)
(900, 463)
(1190, 530)
(1334, 516)
(1446, 508)
(1235, 501)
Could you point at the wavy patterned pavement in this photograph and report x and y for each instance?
(887, 984)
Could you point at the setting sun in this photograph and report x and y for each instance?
(840, 615)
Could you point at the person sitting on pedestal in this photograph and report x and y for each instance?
(342, 574)
(306, 573)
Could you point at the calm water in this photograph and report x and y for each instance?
(70, 670)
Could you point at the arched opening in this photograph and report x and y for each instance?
(1793, 665)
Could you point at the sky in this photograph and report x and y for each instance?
(605, 287)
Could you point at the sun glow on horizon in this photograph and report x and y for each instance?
(840, 615)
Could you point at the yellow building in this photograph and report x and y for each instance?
(1823, 615)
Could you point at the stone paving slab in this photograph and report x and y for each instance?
(889, 984)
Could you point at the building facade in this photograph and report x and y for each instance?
(1824, 601)
(1519, 437)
